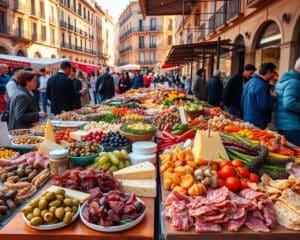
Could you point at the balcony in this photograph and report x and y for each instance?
(126, 49)
(220, 19)
(233, 9)
(4, 3)
(91, 36)
(63, 24)
(125, 19)
(211, 24)
(255, 3)
(153, 45)
(147, 28)
(141, 46)
(18, 6)
(146, 62)
(77, 48)
(70, 27)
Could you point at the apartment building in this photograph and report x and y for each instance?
(144, 41)
(264, 30)
(29, 28)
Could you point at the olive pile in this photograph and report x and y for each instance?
(114, 139)
(20, 132)
(82, 150)
(28, 140)
(51, 208)
(20, 173)
(7, 202)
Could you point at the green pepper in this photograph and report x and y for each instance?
(180, 126)
(177, 132)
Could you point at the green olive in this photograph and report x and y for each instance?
(36, 212)
(28, 209)
(54, 221)
(43, 212)
(44, 194)
(60, 197)
(68, 202)
(60, 213)
(48, 217)
(74, 209)
(55, 203)
(43, 204)
(29, 216)
(36, 221)
(21, 172)
(76, 202)
(52, 209)
(50, 196)
(34, 203)
(60, 192)
(32, 175)
(68, 218)
(68, 209)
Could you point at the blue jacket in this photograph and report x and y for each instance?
(3, 81)
(257, 102)
(287, 109)
(137, 82)
(214, 91)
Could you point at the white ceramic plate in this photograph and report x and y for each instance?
(113, 228)
(68, 124)
(25, 145)
(51, 226)
(30, 133)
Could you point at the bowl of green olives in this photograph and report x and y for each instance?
(83, 154)
(52, 210)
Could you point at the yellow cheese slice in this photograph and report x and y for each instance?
(144, 170)
(49, 132)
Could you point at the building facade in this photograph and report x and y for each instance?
(57, 28)
(267, 30)
(145, 42)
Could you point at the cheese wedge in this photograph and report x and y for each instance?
(81, 196)
(144, 170)
(77, 135)
(49, 132)
(141, 187)
(208, 148)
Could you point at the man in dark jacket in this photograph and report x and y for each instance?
(214, 89)
(60, 90)
(77, 85)
(257, 99)
(198, 87)
(105, 86)
(232, 93)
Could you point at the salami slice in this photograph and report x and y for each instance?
(235, 225)
(218, 195)
(203, 227)
(256, 224)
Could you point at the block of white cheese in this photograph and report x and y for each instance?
(208, 148)
(144, 170)
(141, 187)
(77, 135)
(81, 196)
(139, 158)
(144, 147)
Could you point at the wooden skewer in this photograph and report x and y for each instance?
(209, 130)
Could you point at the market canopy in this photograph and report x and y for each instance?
(129, 67)
(18, 61)
(85, 67)
(185, 53)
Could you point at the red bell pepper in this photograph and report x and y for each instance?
(168, 128)
(189, 134)
(168, 135)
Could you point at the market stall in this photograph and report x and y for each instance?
(85, 67)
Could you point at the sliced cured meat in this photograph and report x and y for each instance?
(269, 215)
(257, 214)
(200, 211)
(237, 213)
(239, 202)
(220, 204)
(197, 202)
(218, 195)
(170, 199)
(182, 197)
(203, 227)
(214, 218)
(251, 194)
(168, 211)
(180, 206)
(235, 225)
(223, 220)
(256, 224)
(181, 221)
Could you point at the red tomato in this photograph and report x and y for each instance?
(227, 171)
(244, 183)
(237, 163)
(224, 163)
(221, 182)
(253, 178)
(233, 184)
(243, 172)
(218, 173)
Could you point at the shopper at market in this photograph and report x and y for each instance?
(148, 79)
(4, 78)
(84, 94)
(257, 98)
(12, 84)
(60, 90)
(124, 83)
(199, 85)
(232, 93)
(24, 111)
(43, 88)
(214, 89)
(93, 81)
(77, 86)
(137, 81)
(287, 108)
(105, 86)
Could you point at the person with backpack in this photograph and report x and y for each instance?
(105, 86)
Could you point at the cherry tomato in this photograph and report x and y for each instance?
(233, 184)
(218, 173)
(224, 163)
(243, 172)
(244, 183)
(227, 171)
(221, 182)
(237, 163)
(253, 178)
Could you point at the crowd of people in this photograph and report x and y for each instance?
(247, 95)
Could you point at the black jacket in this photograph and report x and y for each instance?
(61, 93)
(77, 87)
(105, 85)
(214, 91)
(232, 93)
(23, 110)
(126, 85)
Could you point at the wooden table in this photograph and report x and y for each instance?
(17, 229)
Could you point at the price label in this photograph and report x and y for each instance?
(183, 116)
(4, 140)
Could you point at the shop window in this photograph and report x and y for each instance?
(43, 32)
(170, 40)
(42, 9)
(52, 36)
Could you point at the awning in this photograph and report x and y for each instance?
(129, 67)
(166, 7)
(16, 61)
(85, 67)
(185, 53)
(171, 66)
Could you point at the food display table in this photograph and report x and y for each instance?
(17, 229)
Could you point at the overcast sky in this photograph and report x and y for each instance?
(115, 7)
